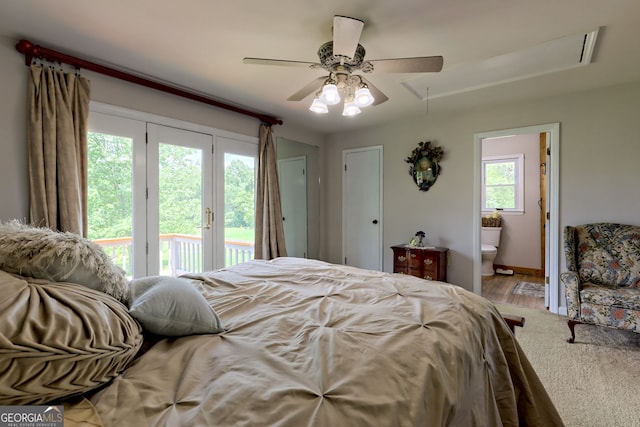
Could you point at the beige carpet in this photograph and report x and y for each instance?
(594, 381)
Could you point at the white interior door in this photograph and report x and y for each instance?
(362, 208)
(293, 197)
(180, 201)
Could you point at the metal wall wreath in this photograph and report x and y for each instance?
(424, 164)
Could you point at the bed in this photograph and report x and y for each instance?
(301, 343)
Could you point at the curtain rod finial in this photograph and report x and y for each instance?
(28, 49)
(24, 46)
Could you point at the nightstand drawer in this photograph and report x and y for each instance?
(414, 260)
(400, 262)
(426, 263)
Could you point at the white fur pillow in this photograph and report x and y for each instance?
(171, 306)
(60, 257)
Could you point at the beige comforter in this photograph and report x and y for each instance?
(316, 344)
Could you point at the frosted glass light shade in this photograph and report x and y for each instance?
(350, 109)
(363, 97)
(318, 106)
(330, 94)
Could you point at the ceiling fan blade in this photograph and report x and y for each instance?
(425, 64)
(308, 89)
(346, 35)
(378, 96)
(279, 62)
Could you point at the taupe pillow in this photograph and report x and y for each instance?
(171, 306)
(60, 339)
(60, 257)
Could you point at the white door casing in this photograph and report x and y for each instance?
(547, 225)
(553, 240)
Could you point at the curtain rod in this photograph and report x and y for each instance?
(32, 51)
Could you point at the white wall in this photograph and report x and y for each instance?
(599, 172)
(14, 185)
(520, 244)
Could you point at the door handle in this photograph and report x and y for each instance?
(207, 219)
(375, 221)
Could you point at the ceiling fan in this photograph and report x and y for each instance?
(342, 57)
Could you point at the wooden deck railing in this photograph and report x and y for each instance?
(179, 253)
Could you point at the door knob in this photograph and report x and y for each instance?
(207, 214)
(375, 221)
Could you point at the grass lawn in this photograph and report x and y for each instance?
(246, 234)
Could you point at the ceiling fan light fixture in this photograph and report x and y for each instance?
(330, 94)
(342, 57)
(350, 108)
(363, 97)
(317, 106)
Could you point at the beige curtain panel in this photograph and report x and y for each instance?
(58, 112)
(269, 228)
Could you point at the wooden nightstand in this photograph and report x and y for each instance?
(427, 263)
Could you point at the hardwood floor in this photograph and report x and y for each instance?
(498, 289)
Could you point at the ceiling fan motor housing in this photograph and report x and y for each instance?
(329, 61)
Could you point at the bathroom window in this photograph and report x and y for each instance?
(503, 183)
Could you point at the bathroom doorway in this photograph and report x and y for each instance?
(538, 220)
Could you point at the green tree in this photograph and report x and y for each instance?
(238, 196)
(500, 185)
(180, 190)
(109, 196)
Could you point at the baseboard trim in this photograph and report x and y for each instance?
(521, 270)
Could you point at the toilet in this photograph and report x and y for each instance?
(490, 238)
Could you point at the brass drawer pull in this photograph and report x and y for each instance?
(401, 258)
(428, 277)
(413, 255)
(428, 261)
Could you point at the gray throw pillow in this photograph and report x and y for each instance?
(171, 306)
(44, 253)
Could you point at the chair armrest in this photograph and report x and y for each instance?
(572, 287)
(513, 320)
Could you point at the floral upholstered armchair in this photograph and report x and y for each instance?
(602, 284)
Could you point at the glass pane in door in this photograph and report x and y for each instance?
(110, 200)
(239, 208)
(180, 209)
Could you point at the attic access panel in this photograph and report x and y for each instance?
(550, 57)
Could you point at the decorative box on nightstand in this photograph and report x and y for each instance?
(427, 263)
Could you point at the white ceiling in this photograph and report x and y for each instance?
(199, 45)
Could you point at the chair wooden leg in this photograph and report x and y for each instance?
(572, 324)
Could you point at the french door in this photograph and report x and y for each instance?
(180, 232)
(151, 196)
